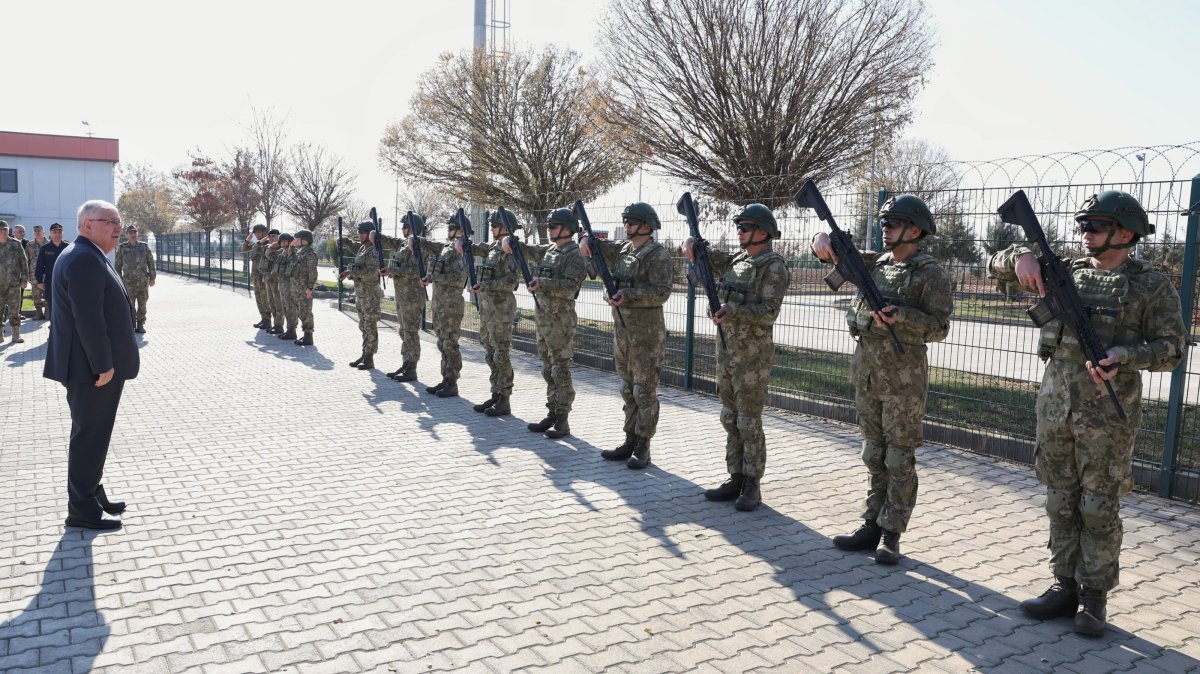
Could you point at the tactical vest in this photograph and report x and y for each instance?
(742, 282)
(895, 283)
(1112, 310)
(631, 270)
(446, 265)
(404, 265)
(552, 265)
(497, 267)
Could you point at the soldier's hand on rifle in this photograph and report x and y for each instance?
(886, 316)
(534, 285)
(371, 236)
(308, 293)
(1101, 375)
(342, 276)
(722, 314)
(384, 272)
(151, 283)
(476, 288)
(584, 247)
(41, 286)
(425, 282)
(458, 245)
(506, 244)
(686, 249)
(1029, 273)
(822, 249)
(617, 299)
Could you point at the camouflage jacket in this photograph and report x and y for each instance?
(135, 264)
(258, 254)
(364, 271)
(14, 264)
(302, 268)
(444, 267)
(920, 289)
(1134, 310)
(31, 251)
(559, 270)
(497, 273)
(642, 274)
(752, 288)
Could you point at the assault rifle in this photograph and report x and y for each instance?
(610, 286)
(464, 223)
(420, 260)
(378, 241)
(850, 266)
(1062, 297)
(518, 253)
(702, 267)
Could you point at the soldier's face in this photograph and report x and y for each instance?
(56, 236)
(453, 233)
(19, 232)
(3, 234)
(132, 236)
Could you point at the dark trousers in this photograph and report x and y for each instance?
(93, 412)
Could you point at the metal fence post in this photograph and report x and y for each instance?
(872, 221)
(1187, 282)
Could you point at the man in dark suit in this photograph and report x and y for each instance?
(92, 352)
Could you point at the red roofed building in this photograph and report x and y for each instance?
(45, 178)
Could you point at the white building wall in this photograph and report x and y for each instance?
(51, 190)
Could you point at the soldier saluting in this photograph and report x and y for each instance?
(365, 273)
(1084, 449)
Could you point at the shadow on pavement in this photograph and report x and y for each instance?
(286, 350)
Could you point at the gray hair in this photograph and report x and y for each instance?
(92, 208)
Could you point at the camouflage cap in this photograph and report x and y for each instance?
(286, 237)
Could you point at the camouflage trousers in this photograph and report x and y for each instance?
(287, 298)
(261, 297)
(1085, 459)
(139, 294)
(744, 370)
(366, 302)
(556, 346)
(448, 309)
(889, 391)
(39, 302)
(496, 314)
(410, 303)
(10, 304)
(303, 305)
(276, 300)
(637, 353)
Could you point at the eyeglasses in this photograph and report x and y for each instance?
(1093, 226)
(111, 221)
(743, 228)
(892, 223)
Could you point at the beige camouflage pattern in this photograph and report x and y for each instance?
(302, 274)
(1084, 451)
(135, 265)
(444, 267)
(497, 278)
(560, 272)
(752, 289)
(410, 301)
(31, 251)
(258, 275)
(14, 273)
(274, 268)
(364, 271)
(644, 274)
(890, 388)
(284, 285)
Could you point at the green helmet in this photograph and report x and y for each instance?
(912, 209)
(417, 224)
(761, 216)
(1120, 206)
(366, 226)
(641, 211)
(285, 237)
(305, 235)
(259, 228)
(564, 217)
(509, 219)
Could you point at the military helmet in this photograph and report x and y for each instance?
(285, 237)
(453, 221)
(911, 209)
(4, 225)
(761, 216)
(508, 217)
(366, 226)
(259, 228)
(564, 217)
(1120, 206)
(417, 224)
(305, 235)
(641, 211)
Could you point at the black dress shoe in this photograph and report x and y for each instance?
(101, 524)
(110, 507)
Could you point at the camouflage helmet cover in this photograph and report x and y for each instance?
(641, 211)
(911, 209)
(761, 216)
(1120, 206)
(416, 224)
(564, 217)
(509, 219)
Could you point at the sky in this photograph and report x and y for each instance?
(1010, 77)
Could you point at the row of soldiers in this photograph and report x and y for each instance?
(1084, 451)
(283, 268)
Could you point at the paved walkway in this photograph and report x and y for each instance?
(289, 514)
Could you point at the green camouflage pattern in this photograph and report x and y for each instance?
(258, 275)
(560, 271)
(272, 273)
(303, 277)
(644, 276)
(135, 265)
(14, 273)
(410, 301)
(444, 267)
(364, 271)
(31, 250)
(1084, 452)
(752, 289)
(285, 286)
(497, 277)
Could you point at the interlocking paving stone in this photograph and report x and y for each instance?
(288, 513)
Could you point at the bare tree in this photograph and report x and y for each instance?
(524, 132)
(200, 191)
(317, 185)
(147, 198)
(241, 186)
(428, 200)
(269, 140)
(745, 99)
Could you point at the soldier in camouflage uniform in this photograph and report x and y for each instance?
(135, 264)
(448, 274)
(274, 263)
(256, 244)
(558, 273)
(31, 250)
(497, 278)
(14, 276)
(1084, 450)
(367, 293)
(303, 273)
(753, 284)
(890, 387)
(642, 270)
(410, 298)
(285, 257)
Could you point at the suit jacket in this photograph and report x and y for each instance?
(91, 322)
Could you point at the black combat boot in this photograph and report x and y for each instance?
(290, 334)
(543, 425)
(368, 362)
(728, 491)
(500, 408)
(750, 496)
(561, 428)
(485, 405)
(409, 373)
(40, 315)
(261, 324)
(16, 334)
(1091, 619)
(641, 455)
(437, 387)
(621, 452)
(275, 329)
(396, 373)
(141, 328)
(449, 390)
(888, 551)
(358, 361)
(1060, 601)
(306, 340)
(865, 537)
